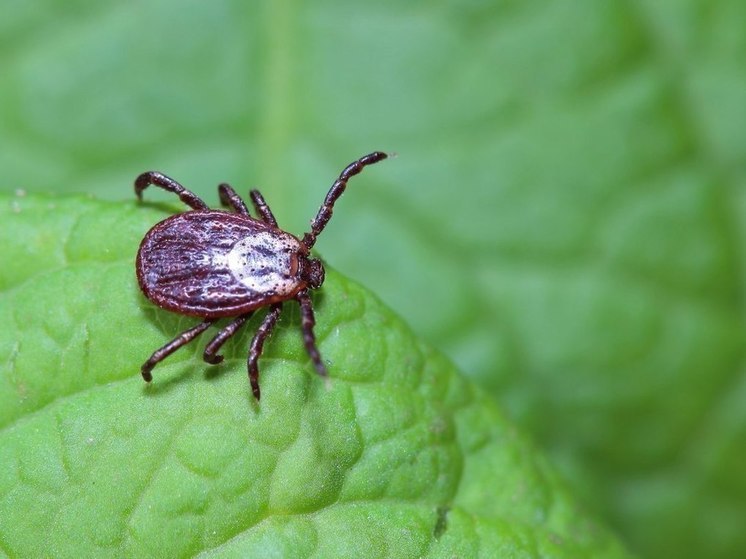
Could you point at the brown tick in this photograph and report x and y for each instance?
(214, 264)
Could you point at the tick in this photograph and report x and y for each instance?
(214, 264)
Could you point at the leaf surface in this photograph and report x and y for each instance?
(396, 456)
(565, 220)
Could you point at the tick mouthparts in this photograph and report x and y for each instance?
(315, 273)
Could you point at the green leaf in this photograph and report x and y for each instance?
(565, 220)
(396, 456)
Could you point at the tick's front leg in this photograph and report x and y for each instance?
(327, 208)
(308, 321)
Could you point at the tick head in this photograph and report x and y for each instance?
(313, 274)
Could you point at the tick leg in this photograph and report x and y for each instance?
(257, 345)
(180, 340)
(230, 199)
(169, 184)
(309, 339)
(327, 208)
(217, 342)
(262, 209)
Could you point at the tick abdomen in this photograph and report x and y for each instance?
(217, 267)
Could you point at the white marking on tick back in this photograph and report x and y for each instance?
(262, 263)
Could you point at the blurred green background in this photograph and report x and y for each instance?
(565, 218)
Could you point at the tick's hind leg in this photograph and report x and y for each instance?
(217, 342)
(230, 199)
(257, 345)
(170, 185)
(262, 209)
(180, 340)
(309, 339)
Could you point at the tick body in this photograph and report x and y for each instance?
(215, 264)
